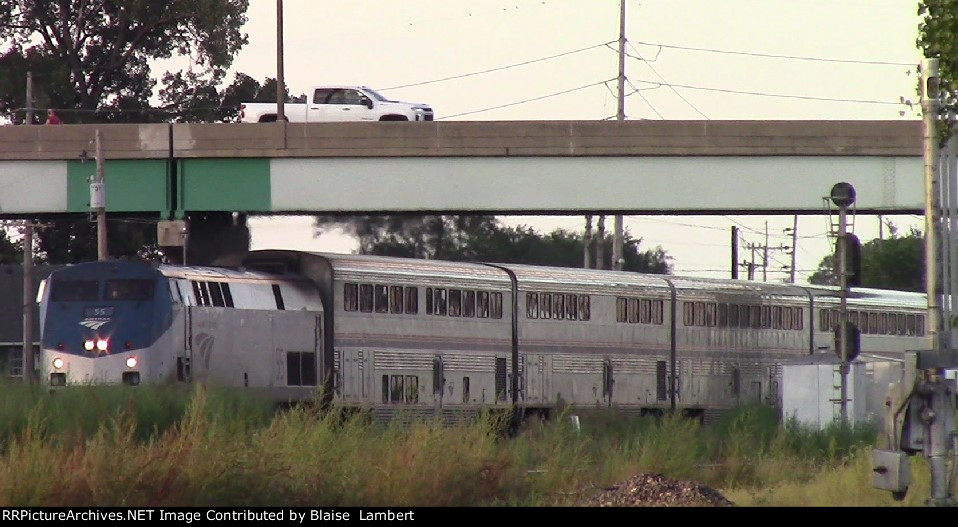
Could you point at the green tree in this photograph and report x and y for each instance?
(74, 241)
(92, 58)
(95, 54)
(10, 252)
(938, 37)
(897, 262)
(199, 100)
(480, 238)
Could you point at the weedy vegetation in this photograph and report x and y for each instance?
(189, 446)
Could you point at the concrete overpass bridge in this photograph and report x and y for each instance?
(540, 167)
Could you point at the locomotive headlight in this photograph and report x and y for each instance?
(57, 363)
(131, 362)
(102, 345)
(89, 345)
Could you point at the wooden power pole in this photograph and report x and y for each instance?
(98, 202)
(617, 242)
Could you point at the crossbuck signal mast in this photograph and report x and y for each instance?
(920, 412)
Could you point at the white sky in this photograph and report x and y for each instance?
(385, 44)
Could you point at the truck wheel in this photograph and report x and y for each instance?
(271, 118)
(394, 118)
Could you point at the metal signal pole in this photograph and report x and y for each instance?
(929, 109)
(843, 307)
(617, 259)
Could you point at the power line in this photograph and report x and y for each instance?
(634, 217)
(528, 100)
(638, 92)
(780, 95)
(496, 69)
(742, 225)
(773, 55)
(650, 105)
(671, 86)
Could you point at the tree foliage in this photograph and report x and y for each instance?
(93, 59)
(10, 252)
(199, 100)
(95, 54)
(897, 262)
(938, 37)
(481, 238)
(74, 241)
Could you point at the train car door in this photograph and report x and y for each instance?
(351, 364)
(184, 353)
(607, 381)
(534, 375)
(501, 381)
(438, 382)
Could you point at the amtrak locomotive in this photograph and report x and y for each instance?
(447, 338)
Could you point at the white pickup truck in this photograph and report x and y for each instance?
(338, 103)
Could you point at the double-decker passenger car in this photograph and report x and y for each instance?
(448, 338)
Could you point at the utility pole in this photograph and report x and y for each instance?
(280, 78)
(600, 244)
(791, 278)
(765, 256)
(734, 252)
(28, 356)
(29, 117)
(620, 116)
(98, 202)
(587, 243)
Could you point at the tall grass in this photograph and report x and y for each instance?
(165, 447)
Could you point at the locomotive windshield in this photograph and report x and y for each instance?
(128, 290)
(74, 290)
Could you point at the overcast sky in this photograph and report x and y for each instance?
(388, 45)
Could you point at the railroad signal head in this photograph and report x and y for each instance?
(853, 336)
(853, 259)
(843, 194)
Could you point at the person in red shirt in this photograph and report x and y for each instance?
(52, 117)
